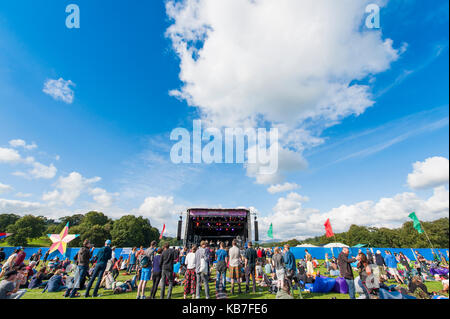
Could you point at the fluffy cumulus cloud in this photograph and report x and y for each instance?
(281, 188)
(60, 90)
(5, 188)
(245, 63)
(161, 210)
(102, 197)
(430, 173)
(37, 170)
(292, 220)
(69, 188)
(8, 155)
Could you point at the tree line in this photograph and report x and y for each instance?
(128, 231)
(403, 237)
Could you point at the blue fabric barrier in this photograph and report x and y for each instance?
(299, 252)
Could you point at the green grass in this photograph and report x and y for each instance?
(177, 292)
(43, 241)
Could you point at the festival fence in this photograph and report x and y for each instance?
(299, 252)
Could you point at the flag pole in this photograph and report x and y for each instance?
(432, 248)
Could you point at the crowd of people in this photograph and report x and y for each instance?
(238, 270)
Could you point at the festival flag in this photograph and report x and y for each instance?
(4, 235)
(164, 228)
(417, 224)
(270, 232)
(61, 240)
(328, 229)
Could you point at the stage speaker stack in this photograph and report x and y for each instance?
(256, 231)
(180, 222)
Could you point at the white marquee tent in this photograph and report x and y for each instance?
(336, 245)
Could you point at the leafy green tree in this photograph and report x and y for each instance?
(34, 225)
(73, 220)
(95, 218)
(6, 220)
(131, 231)
(19, 236)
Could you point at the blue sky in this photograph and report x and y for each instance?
(123, 65)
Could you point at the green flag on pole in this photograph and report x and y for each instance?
(417, 224)
(270, 232)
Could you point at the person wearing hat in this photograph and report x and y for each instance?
(9, 288)
(103, 256)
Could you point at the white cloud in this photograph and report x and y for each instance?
(8, 155)
(245, 63)
(69, 188)
(434, 171)
(161, 210)
(102, 197)
(42, 171)
(38, 170)
(292, 220)
(18, 207)
(21, 143)
(281, 188)
(5, 188)
(60, 90)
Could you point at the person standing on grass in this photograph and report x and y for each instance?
(102, 258)
(235, 256)
(379, 261)
(166, 264)
(146, 261)
(83, 257)
(391, 263)
(156, 272)
(131, 261)
(346, 271)
(250, 256)
(278, 266)
(291, 267)
(202, 269)
(221, 268)
(190, 276)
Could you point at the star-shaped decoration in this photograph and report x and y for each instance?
(60, 241)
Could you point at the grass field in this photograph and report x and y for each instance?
(262, 293)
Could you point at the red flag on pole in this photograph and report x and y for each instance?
(164, 228)
(328, 229)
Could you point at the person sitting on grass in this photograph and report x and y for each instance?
(418, 289)
(38, 278)
(56, 283)
(284, 292)
(9, 264)
(9, 287)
